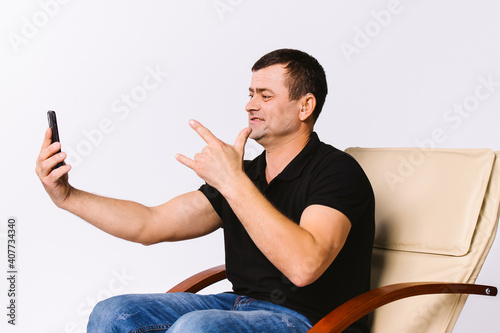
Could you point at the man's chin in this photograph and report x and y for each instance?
(255, 135)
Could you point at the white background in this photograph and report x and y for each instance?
(395, 71)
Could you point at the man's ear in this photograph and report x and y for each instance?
(308, 104)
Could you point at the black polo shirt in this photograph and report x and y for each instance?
(319, 174)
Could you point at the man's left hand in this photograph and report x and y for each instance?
(219, 164)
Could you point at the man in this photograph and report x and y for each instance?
(298, 220)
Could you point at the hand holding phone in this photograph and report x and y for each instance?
(51, 116)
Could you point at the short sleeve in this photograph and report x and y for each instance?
(214, 196)
(339, 182)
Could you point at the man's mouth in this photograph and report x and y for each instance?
(256, 119)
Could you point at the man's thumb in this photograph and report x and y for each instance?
(241, 139)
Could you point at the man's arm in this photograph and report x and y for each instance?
(301, 252)
(187, 216)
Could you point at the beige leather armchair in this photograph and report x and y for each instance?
(436, 218)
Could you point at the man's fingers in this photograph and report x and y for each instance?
(45, 165)
(49, 151)
(59, 172)
(241, 139)
(202, 131)
(184, 160)
(48, 155)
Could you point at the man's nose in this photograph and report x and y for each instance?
(252, 105)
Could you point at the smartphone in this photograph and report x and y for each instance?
(51, 116)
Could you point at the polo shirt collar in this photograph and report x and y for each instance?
(295, 167)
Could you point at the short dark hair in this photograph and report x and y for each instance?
(304, 75)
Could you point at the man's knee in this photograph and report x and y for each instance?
(205, 321)
(106, 314)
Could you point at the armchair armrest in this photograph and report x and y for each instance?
(354, 309)
(346, 314)
(201, 280)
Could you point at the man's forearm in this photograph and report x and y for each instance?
(120, 218)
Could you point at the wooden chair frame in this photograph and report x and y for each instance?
(354, 309)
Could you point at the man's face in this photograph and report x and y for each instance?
(271, 115)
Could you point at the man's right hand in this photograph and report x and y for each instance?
(54, 181)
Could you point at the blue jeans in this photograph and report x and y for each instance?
(192, 313)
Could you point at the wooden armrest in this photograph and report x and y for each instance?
(356, 308)
(349, 312)
(201, 280)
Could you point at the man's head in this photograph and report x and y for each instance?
(303, 73)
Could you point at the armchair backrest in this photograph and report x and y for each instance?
(436, 218)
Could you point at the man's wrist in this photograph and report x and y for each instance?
(237, 187)
(66, 202)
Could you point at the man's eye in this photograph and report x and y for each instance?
(266, 96)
